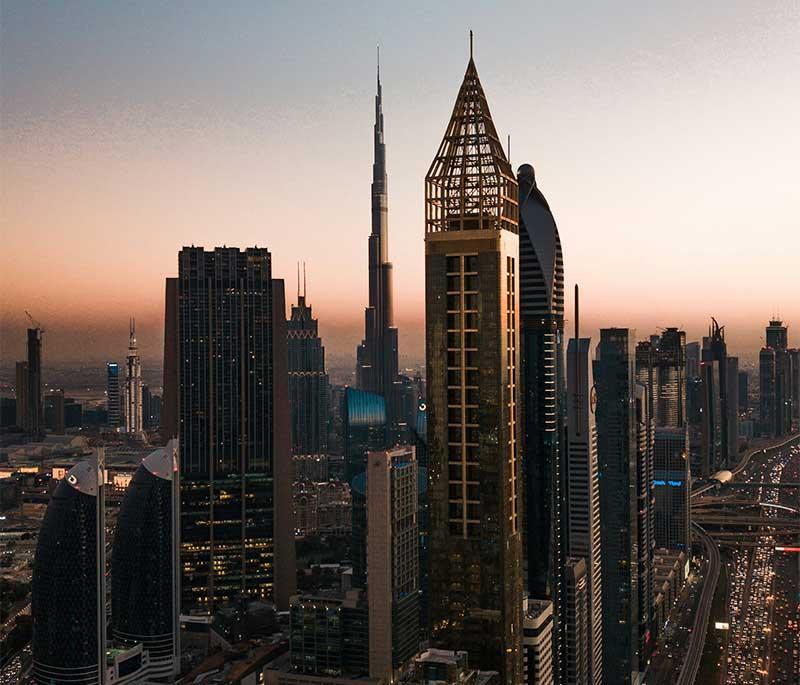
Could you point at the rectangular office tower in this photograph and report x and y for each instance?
(471, 252)
(235, 466)
(392, 560)
(583, 490)
(617, 443)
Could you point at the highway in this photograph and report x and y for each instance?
(694, 653)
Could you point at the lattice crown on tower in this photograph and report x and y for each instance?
(470, 184)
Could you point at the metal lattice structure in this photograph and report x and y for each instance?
(470, 184)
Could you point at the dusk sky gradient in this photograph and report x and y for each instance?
(665, 137)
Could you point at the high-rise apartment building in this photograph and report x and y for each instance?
(645, 436)
(133, 385)
(392, 561)
(113, 399)
(576, 623)
(233, 408)
(541, 306)
(376, 356)
(617, 448)
(744, 390)
(308, 382)
(671, 489)
(21, 394)
(583, 489)
(471, 275)
(538, 642)
(28, 388)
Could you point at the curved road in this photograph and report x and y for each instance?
(691, 663)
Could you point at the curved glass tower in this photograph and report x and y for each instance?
(68, 639)
(143, 560)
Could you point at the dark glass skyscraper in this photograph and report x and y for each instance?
(144, 565)
(113, 398)
(235, 466)
(775, 381)
(308, 382)
(68, 580)
(617, 439)
(472, 323)
(376, 358)
(719, 404)
(541, 305)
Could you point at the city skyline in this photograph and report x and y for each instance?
(175, 141)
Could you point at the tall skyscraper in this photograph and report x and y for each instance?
(541, 307)
(471, 274)
(21, 394)
(671, 489)
(538, 641)
(113, 400)
(376, 357)
(144, 562)
(775, 381)
(392, 561)
(744, 390)
(30, 402)
(235, 458)
(583, 490)
(69, 637)
(308, 382)
(576, 623)
(133, 385)
(617, 442)
(645, 436)
(719, 404)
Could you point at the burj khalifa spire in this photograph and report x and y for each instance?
(376, 365)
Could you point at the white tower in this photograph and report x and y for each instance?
(133, 385)
(583, 516)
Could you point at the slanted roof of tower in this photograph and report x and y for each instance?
(470, 184)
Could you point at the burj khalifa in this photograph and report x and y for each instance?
(376, 356)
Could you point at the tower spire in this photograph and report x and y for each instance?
(470, 44)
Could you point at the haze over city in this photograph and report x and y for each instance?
(664, 138)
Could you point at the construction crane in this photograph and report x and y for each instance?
(35, 323)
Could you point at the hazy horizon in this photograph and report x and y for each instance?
(664, 138)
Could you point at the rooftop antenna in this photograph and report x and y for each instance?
(470, 44)
(298, 280)
(509, 148)
(379, 63)
(304, 280)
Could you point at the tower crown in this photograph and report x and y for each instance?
(470, 184)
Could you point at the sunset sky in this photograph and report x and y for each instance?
(666, 137)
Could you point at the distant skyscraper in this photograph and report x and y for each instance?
(718, 404)
(169, 418)
(21, 394)
(69, 636)
(583, 489)
(619, 500)
(744, 389)
(541, 305)
(29, 387)
(775, 381)
(133, 385)
(237, 534)
(308, 382)
(576, 623)
(693, 360)
(376, 363)
(144, 562)
(113, 403)
(794, 358)
(392, 561)
(471, 274)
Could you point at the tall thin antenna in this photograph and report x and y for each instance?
(379, 64)
(298, 280)
(304, 279)
(577, 363)
(577, 312)
(470, 43)
(509, 148)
